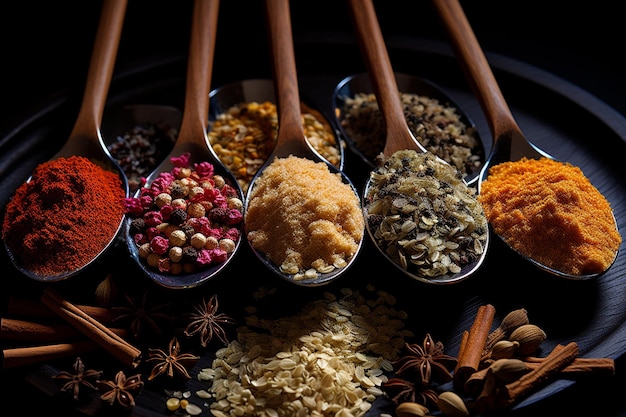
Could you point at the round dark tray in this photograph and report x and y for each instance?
(557, 116)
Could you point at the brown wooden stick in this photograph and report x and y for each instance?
(472, 346)
(94, 330)
(28, 331)
(31, 308)
(23, 356)
(557, 360)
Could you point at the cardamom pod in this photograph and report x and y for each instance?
(529, 337)
(510, 322)
(451, 404)
(411, 409)
(507, 370)
(504, 349)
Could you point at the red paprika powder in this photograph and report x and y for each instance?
(64, 216)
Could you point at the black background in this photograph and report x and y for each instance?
(45, 49)
(45, 46)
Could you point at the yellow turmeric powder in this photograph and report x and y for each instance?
(549, 211)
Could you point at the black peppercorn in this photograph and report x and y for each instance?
(177, 190)
(188, 229)
(178, 216)
(218, 214)
(137, 225)
(189, 254)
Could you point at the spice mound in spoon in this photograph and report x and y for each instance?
(187, 220)
(438, 126)
(62, 218)
(550, 212)
(423, 216)
(244, 135)
(304, 218)
(139, 150)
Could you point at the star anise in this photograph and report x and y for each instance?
(207, 322)
(427, 362)
(170, 363)
(399, 390)
(141, 314)
(122, 390)
(78, 378)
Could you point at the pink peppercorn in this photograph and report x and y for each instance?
(204, 257)
(152, 232)
(166, 211)
(153, 218)
(159, 245)
(204, 169)
(232, 234)
(165, 265)
(192, 193)
(140, 239)
(233, 217)
(218, 255)
(133, 206)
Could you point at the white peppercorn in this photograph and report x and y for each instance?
(178, 238)
(144, 250)
(198, 240)
(175, 254)
(211, 242)
(227, 245)
(196, 210)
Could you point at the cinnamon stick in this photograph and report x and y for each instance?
(23, 330)
(31, 308)
(23, 356)
(473, 343)
(557, 360)
(93, 329)
(579, 366)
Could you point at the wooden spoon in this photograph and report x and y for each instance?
(291, 140)
(85, 138)
(509, 143)
(398, 136)
(192, 137)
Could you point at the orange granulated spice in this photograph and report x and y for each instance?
(549, 211)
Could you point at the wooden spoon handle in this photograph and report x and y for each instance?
(379, 67)
(477, 69)
(86, 130)
(290, 129)
(101, 67)
(199, 71)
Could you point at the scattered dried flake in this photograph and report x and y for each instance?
(421, 213)
(328, 360)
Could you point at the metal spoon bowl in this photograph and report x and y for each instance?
(258, 90)
(407, 83)
(85, 138)
(121, 119)
(509, 143)
(192, 137)
(291, 139)
(398, 134)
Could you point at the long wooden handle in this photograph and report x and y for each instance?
(290, 129)
(476, 68)
(101, 68)
(382, 76)
(199, 71)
